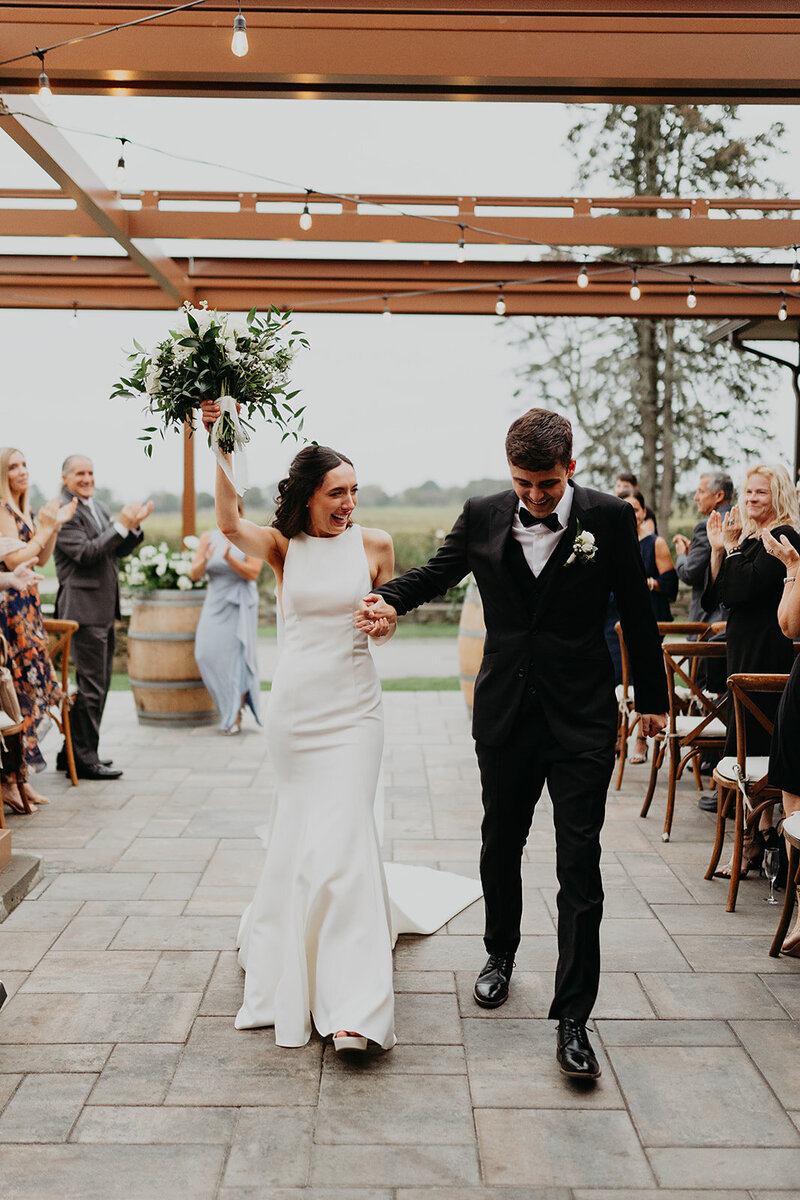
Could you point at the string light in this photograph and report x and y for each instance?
(636, 291)
(500, 303)
(583, 278)
(305, 218)
(794, 274)
(782, 313)
(45, 91)
(691, 299)
(121, 162)
(239, 41)
(461, 251)
(387, 312)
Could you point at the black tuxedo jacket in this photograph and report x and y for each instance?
(87, 567)
(546, 632)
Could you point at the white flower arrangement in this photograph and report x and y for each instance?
(216, 356)
(159, 567)
(584, 548)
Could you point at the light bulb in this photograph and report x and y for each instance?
(635, 292)
(74, 314)
(691, 299)
(305, 218)
(387, 312)
(583, 278)
(120, 170)
(45, 93)
(461, 252)
(794, 274)
(782, 314)
(500, 305)
(239, 41)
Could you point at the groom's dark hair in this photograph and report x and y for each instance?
(538, 440)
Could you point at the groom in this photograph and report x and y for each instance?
(545, 557)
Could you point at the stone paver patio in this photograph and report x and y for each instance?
(121, 1074)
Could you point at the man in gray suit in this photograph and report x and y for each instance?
(714, 493)
(86, 558)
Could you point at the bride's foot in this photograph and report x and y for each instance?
(345, 1040)
(640, 751)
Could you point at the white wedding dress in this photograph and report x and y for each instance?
(316, 942)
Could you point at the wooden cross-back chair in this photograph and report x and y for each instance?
(742, 781)
(60, 635)
(695, 723)
(792, 883)
(628, 719)
(10, 731)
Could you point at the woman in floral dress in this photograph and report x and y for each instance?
(35, 680)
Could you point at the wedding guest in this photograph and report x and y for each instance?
(625, 483)
(86, 556)
(13, 771)
(750, 582)
(225, 642)
(35, 680)
(662, 580)
(714, 494)
(784, 755)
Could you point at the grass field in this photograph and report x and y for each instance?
(411, 683)
(395, 520)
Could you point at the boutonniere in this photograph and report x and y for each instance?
(584, 548)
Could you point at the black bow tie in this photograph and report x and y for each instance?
(552, 522)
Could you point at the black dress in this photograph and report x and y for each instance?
(784, 756)
(750, 584)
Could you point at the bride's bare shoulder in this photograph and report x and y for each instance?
(376, 539)
(276, 544)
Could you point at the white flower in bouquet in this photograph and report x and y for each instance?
(147, 553)
(161, 569)
(191, 542)
(184, 583)
(584, 548)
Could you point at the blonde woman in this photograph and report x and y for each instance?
(749, 581)
(21, 616)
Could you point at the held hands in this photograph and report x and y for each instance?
(782, 550)
(375, 617)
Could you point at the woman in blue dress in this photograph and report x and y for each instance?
(225, 643)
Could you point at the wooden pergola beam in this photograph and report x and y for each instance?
(363, 286)
(50, 150)
(250, 216)
(586, 51)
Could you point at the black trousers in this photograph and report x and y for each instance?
(93, 655)
(512, 778)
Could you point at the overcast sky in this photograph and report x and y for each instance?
(409, 398)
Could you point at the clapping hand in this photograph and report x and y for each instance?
(24, 576)
(732, 528)
(134, 513)
(681, 543)
(782, 550)
(375, 617)
(47, 518)
(66, 512)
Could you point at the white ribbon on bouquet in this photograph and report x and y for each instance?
(235, 467)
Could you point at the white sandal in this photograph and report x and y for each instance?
(349, 1041)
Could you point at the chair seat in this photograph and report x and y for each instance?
(791, 829)
(687, 725)
(756, 767)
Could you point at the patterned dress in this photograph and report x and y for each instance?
(35, 680)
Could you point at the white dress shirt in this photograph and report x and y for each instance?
(537, 541)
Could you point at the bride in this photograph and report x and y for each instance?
(316, 942)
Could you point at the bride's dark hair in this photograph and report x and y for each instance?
(306, 473)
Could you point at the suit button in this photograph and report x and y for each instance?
(521, 674)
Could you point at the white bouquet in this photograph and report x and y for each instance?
(159, 567)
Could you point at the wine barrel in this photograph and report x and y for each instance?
(471, 633)
(165, 679)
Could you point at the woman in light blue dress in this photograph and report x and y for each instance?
(225, 643)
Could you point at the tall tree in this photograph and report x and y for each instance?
(650, 393)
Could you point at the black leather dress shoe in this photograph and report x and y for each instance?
(491, 986)
(97, 771)
(708, 802)
(3, 995)
(63, 765)
(574, 1051)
